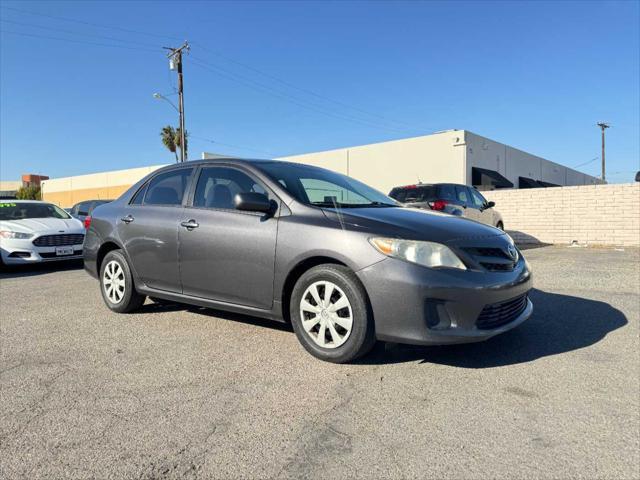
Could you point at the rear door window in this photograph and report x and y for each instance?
(168, 188)
(462, 195)
(447, 193)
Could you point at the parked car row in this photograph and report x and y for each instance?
(344, 263)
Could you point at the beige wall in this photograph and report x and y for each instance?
(68, 191)
(590, 214)
(10, 185)
(431, 158)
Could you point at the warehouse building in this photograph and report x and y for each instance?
(453, 156)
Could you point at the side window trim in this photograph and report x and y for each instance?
(140, 191)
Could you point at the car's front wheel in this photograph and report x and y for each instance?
(116, 284)
(331, 315)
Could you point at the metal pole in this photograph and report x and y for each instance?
(176, 55)
(603, 126)
(183, 152)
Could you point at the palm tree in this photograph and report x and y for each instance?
(172, 140)
(168, 135)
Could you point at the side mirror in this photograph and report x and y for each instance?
(489, 204)
(252, 202)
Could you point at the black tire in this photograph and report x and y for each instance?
(500, 225)
(131, 300)
(361, 338)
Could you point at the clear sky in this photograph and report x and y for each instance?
(273, 78)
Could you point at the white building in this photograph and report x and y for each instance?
(454, 156)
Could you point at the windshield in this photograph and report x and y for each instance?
(22, 210)
(324, 188)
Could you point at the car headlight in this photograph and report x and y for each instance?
(18, 235)
(428, 254)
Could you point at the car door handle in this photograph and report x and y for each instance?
(190, 224)
(128, 219)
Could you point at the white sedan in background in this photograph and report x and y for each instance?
(33, 231)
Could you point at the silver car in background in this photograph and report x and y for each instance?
(455, 199)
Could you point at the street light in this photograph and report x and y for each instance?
(159, 96)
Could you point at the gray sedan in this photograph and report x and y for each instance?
(336, 258)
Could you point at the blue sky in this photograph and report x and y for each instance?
(274, 78)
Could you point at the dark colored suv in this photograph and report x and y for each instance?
(82, 211)
(449, 198)
(342, 262)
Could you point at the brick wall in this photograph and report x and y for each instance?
(589, 214)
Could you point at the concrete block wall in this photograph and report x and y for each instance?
(588, 214)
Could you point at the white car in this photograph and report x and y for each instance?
(33, 231)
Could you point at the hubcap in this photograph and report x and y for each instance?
(113, 282)
(326, 314)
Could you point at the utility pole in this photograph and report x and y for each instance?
(603, 126)
(175, 63)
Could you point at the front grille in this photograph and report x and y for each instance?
(492, 259)
(498, 314)
(59, 240)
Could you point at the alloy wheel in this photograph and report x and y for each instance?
(326, 314)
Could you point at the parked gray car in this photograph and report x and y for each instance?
(451, 198)
(339, 260)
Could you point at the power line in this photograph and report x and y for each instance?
(586, 163)
(76, 41)
(304, 90)
(269, 90)
(66, 19)
(79, 33)
(230, 145)
(283, 95)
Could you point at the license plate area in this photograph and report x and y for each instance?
(61, 251)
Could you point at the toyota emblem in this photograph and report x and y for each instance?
(513, 253)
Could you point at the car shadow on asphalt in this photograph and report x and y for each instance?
(559, 324)
(18, 271)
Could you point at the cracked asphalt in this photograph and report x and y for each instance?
(177, 392)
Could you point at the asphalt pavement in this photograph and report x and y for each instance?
(176, 392)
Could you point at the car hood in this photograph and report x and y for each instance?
(43, 225)
(416, 223)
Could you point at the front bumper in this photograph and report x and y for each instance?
(423, 306)
(23, 252)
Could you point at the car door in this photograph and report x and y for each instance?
(227, 255)
(148, 228)
(485, 215)
(463, 199)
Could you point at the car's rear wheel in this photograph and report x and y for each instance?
(500, 225)
(116, 284)
(330, 314)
